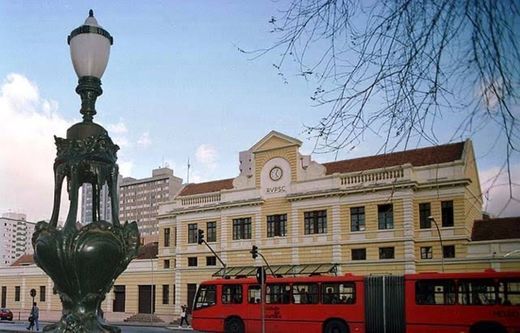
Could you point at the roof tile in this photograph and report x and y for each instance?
(208, 187)
(497, 228)
(416, 157)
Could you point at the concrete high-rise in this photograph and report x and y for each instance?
(139, 200)
(105, 210)
(16, 235)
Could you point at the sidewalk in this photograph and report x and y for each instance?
(20, 326)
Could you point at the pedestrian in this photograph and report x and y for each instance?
(33, 318)
(184, 316)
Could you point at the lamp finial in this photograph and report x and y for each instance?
(91, 13)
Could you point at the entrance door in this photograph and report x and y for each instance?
(146, 299)
(4, 296)
(192, 289)
(119, 299)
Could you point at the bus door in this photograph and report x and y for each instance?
(277, 302)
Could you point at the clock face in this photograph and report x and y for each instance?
(275, 173)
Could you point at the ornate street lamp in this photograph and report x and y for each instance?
(85, 262)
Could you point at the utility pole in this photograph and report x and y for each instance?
(201, 240)
(432, 219)
(261, 277)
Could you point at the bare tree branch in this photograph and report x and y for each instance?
(395, 68)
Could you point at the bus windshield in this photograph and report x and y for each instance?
(206, 296)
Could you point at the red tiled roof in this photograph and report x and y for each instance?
(148, 251)
(208, 187)
(416, 157)
(24, 260)
(499, 228)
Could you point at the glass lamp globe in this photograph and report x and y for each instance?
(90, 48)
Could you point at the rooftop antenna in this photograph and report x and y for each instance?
(188, 172)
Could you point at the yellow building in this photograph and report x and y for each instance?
(367, 215)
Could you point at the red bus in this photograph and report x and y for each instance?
(486, 302)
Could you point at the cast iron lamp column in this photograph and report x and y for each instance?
(85, 262)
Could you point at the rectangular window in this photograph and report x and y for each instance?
(359, 254)
(192, 261)
(305, 293)
(166, 237)
(385, 214)
(42, 293)
(477, 292)
(448, 251)
(242, 228)
(276, 225)
(165, 294)
(509, 292)
(17, 293)
(428, 292)
(386, 253)
(426, 252)
(232, 294)
(254, 294)
(211, 234)
(166, 263)
(315, 222)
(278, 294)
(357, 219)
(211, 261)
(424, 214)
(192, 233)
(447, 213)
(338, 293)
(206, 296)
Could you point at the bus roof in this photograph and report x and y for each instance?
(286, 279)
(489, 273)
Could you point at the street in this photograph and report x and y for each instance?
(19, 326)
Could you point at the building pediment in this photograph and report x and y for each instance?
(275, 140)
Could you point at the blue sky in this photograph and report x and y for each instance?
(176, 87)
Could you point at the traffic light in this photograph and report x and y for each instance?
(254, 251)
(200, 238)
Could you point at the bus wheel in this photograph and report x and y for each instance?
(234, 325)
(335, 326)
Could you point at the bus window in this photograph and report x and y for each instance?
(278, 293)
(232, 294)
(435, 292)
(305, 293)
(254, 294)
(338, 293)
(477, 292)
(205, 297)
(509, 292)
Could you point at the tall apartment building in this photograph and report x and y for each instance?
(16, 235)
(139, 200)
(105, 209)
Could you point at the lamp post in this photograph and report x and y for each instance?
(432, 219)
(76, 258)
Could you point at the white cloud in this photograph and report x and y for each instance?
(144, 140)
(27, 126)
(125, 168)
(207, 156)
(117, 129)
(496, 189)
